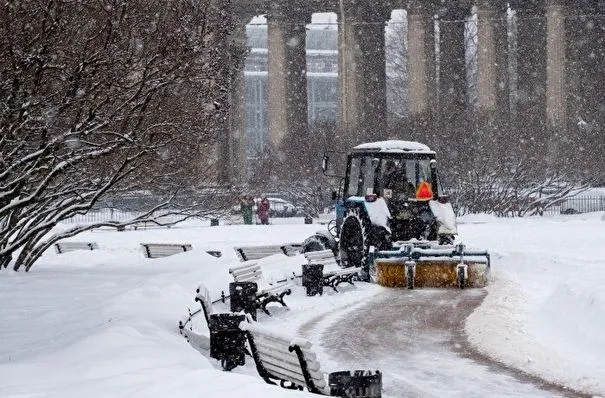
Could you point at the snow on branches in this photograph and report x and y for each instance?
(102, 97)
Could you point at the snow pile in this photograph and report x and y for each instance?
(545, 311)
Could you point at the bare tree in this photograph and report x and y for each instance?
(294, 169)
(98, 98)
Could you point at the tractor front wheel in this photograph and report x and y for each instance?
(353, 243)
(356, 236)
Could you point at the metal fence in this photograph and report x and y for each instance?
(576, 205)
(111, 214)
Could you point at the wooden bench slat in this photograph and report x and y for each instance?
(343, 271)
(266, 292)
(271, 351)
(282, 373)
(156, 250)
(246, 274)
(287, 358)
(295, 376)
(275, 288)
(251, 272)
(63, 247)
(247, 253)
(280, 358)
(268, 341)
(332, 273)
(290, 362)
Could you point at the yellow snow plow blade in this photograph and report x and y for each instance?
(436, 273)
(434, 267)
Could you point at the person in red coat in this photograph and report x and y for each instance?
(263, 211)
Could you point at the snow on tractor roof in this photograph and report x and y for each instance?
(394, 146)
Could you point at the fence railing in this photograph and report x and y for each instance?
(576, 205)
(111, 214)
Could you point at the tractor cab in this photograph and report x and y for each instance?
(401, 176)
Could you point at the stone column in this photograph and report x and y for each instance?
(237, 115)
(287, 75)
(531, 67)
(452, 66)
(585, 84)
(556, 112)
(362, 71)
(492, 60)
(221, 23)
(421, 62)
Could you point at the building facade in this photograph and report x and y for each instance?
(322, 82)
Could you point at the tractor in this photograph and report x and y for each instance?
(391, 205)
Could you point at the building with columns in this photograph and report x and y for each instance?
(546, 79)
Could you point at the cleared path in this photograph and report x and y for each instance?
(416, 338)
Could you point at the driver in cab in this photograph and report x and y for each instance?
(396, 184)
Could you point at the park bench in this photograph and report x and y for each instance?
(202, 295)
(63, 247)
(333, 275)
(266, 292)
(247, 253)
(292, 362)
(156, 250)
(226, 342)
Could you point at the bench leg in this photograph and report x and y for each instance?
(347, 278)
(274, 299)
(330, 282)
(281, 297)
(263, 306)
(333, 282)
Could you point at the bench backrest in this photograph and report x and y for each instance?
(292, 249)
(63, 247)
(203, 297)
(247, 253)
(284, 357)
(246, 273)
(155, 250)
(325, 257)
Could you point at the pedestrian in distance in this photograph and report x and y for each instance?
(263, 211)
(246, 205)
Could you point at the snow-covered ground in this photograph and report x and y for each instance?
(103, 323)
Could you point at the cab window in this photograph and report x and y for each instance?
(368, 172)
(354, 177)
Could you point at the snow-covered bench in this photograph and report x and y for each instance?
(63, 247)
(247, 253)
(292, 362)
(226, 342)
(202, 295)
(266, 292)
(333, 275)
(156, 250)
